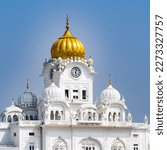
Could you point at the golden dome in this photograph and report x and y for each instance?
(67, 46)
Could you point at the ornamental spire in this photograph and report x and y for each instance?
(109, 81)
(67, 23)
(12, 101)
(27, 85)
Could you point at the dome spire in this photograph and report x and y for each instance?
(27, 85)
(67, 23)
(12, 101)
(109, 81)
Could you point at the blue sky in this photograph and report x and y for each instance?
(115, 35)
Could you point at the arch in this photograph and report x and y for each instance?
(119, 116)
(35, 118)
(4, 118)
(63, 104)
(51, 115)
(31, 117)
(60, 144)
(90, 144)
(62, 115)
(15, 118)
(9, 118)
(94, 116)
(114, 116)
(89, 115)
(110, 116)
(60, 110)
(26, 117)
(118, 145)
(57, 115)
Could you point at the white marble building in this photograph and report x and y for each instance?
(66, 118)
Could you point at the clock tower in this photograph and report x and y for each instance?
(70, 70)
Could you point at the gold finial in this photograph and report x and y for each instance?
(67, 23)
(109, 80)
(27, 85)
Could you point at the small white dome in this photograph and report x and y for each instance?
(13, 108)
(110, 94)
(52, 92)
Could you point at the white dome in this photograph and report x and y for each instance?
(52, 92)
(27, 98)
(110, 94)
(13, 108)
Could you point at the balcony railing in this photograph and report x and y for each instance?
(5, 125)
(57, 122)
(26, 123)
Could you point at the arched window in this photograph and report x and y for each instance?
(31, 117)
(26, 117)
(119, 116)
(3, 118)
(114, 116)
(89, 116)
(60, 145)
(15, 118)
(109, 116)
(90, 144)
(62, 115)
(9, 119)
(36, 118)
(118, 145)
(57, 115)
(51, 115)
(94, 116)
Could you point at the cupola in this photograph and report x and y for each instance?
(110, 94)
(52, 92)
(13, 108)
(67, 46)
(27, 98)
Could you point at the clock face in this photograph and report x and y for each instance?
(75, 72)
